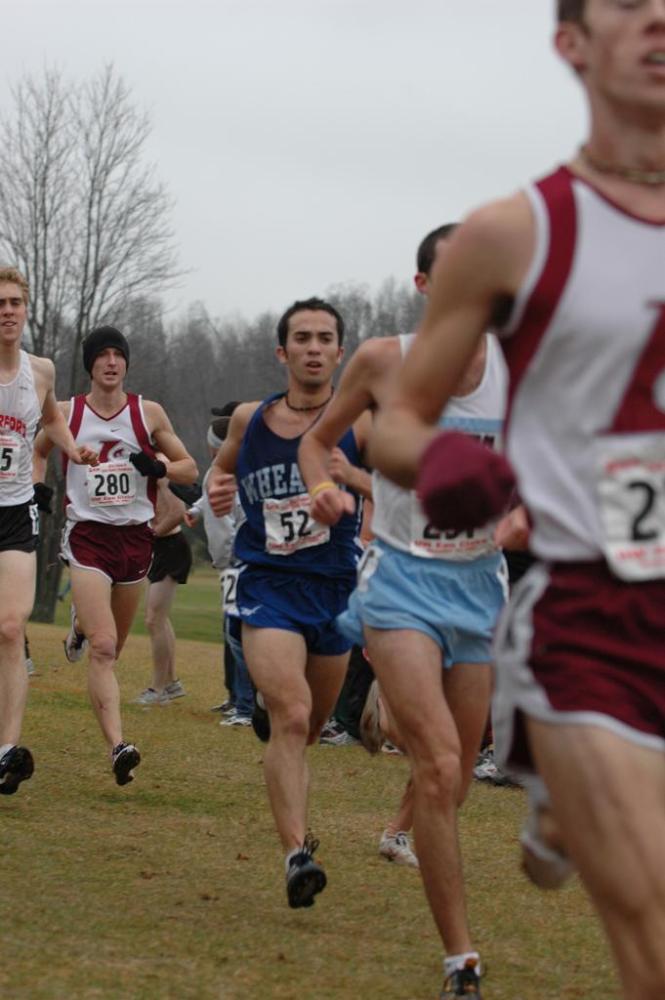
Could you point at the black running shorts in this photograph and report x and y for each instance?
(172, 557)
(19, 527)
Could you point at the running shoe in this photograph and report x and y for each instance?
(151, 697)
(260, 718)
(341, 739)
(76, 643)
(486, 769)
(371, 736)
(545, 866)
(224, 708)
(237, 720)
(331, 728)
(30, 667)
(397, 847)
(462, 982)
(16, 765)
(304, 877)
(174, 690)
(124, 759)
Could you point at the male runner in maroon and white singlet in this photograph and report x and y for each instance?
(107, 539)
(26, 398)
(572, 271)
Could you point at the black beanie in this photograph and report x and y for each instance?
(98, 340)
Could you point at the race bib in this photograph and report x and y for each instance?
(230, 590)
(435, 543)
(111, 484)
(10, 450)
(631, 491)
(289, 526)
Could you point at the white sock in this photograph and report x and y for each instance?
(454, 962)
(291, 854)
(5, 747)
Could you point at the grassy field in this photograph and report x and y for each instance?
(172, 887)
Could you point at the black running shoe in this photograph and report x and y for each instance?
(260, 718)
(16, 765)
(305, 878)
(463, 982)
(125, 758)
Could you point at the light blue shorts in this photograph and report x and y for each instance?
(455, 603)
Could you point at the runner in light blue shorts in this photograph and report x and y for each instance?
(455, 603)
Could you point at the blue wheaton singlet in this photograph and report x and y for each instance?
(279, 531)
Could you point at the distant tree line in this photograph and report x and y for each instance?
(87, 221)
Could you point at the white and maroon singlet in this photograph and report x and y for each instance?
(113, 491)
(585, 346)
(20, 412)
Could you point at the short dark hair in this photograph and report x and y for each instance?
(427, 249)
(308, 305)
(570, 10)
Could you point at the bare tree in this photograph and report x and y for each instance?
(35, 199)
(86, 220)
(121, 244)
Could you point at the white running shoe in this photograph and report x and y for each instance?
(397, 847)
(486, 769)
(342, 739)
(151, 697)
(76, 643)
(237, 720)
(174, 690)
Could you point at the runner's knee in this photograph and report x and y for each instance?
(12, 629)
(154, 619)
(290, 719)
(437, 775)
(103, 646)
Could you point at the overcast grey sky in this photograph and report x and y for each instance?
(311, 142)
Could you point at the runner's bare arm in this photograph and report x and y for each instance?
(485, 265)
(358, 390)
(54, 423)
(180, 466)
(221, 483)
(42, 448)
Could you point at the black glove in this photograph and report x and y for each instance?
(146, 465)
(188, 494)
(43, 497)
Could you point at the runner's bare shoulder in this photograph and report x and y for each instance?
(499, 238)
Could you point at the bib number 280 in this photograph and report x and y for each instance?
(111, 484)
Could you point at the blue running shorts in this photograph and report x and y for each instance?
(455, 603)
(295, 602)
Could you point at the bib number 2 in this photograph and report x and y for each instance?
(632, 504)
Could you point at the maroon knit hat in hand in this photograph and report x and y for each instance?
(463, 484)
